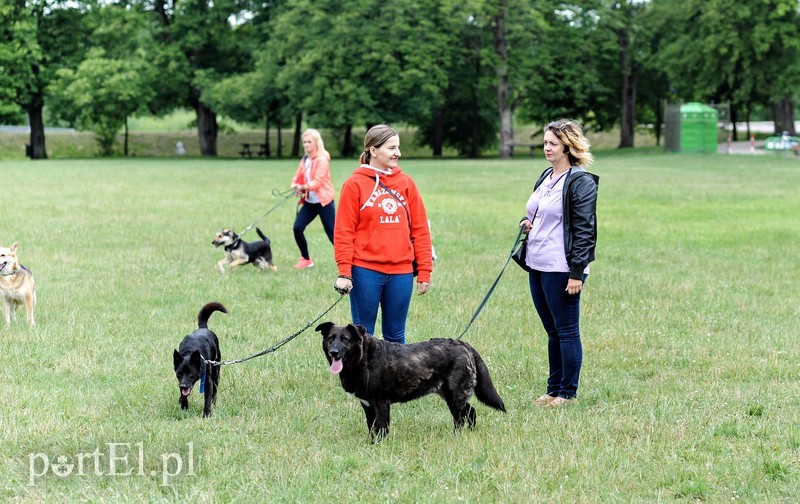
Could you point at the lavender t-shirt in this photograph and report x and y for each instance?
(546, 238)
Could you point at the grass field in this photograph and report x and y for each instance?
(690, 327)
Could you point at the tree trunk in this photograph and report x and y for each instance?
(206, 129)
(474, 133)
(280, 141)
(267, 152)
(36, 121)
(504, 104)
(125, 147)
(438, 132)
(784, 116)
(348, 149)
(298, 124)
(659, 113)
(628, 106)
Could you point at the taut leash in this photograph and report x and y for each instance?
(275, 193)
(278, 344)
(491, 289)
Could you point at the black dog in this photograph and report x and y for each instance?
(379, 373)
(190, 360)
(238, 251)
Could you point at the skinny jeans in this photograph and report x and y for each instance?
(308, 212)
(560, 316)
(392, 293)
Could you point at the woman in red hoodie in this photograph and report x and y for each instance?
(312, 183)
(381, 231)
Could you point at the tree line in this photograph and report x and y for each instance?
(461, 71)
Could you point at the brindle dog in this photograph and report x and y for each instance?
(379, 373)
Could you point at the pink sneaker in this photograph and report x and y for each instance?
(304, 263)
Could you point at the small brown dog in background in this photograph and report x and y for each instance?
(16, 285)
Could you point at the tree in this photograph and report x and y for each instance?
(381, 61)
(39, 37)
(517, 27)
(193, 45)
(743, 51)
(100, 95)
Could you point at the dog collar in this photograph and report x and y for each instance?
(233, 245)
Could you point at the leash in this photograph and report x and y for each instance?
(275, 193)
(491, 289)
(276, 345)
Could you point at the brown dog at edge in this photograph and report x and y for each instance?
(17, 286)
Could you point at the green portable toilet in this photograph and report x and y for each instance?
(698, 128)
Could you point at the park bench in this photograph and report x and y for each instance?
(246, 151)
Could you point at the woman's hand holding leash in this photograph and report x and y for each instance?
(525, 224)
(343, 284)
(574, 286)
(422, 287)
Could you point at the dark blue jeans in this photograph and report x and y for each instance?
(392, 293)
(307, 213)
(560, 315)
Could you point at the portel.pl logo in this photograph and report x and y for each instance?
(114, 459)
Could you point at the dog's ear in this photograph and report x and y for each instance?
(357, 330)
(177, 359)
(195, 359)
(362, 329)
(324, 328)
(14, 247)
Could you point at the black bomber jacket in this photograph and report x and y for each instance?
(579, 198)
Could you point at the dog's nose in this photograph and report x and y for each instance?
(333, 352)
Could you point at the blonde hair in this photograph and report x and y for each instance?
(375, 137)
(314, 134)
(570, 133)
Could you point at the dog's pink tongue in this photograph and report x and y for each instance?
(186, 392)
(336, 366)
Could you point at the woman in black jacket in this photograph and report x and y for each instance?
(561, 224)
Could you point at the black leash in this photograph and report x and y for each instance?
(491, 289)
(278, 344)
(275, 193)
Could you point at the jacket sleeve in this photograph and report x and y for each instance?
(583, 206)
(320, 169)
(344, 231)
(420, 233)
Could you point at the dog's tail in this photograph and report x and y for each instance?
(484, 389)
(206, 311)
(261, 235)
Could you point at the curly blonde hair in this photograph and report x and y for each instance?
(570, 133)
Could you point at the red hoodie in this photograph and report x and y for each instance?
(372, 228)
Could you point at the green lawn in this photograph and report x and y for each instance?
(690, 327)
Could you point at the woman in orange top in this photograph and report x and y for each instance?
(381, 230)
(312, 183)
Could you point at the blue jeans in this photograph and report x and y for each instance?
(560, 315)
(391, 292)
(307, 213)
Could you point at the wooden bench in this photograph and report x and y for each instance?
(246, 151)
(262, 150)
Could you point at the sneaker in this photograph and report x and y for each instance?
(557, 402)
(544, 400)
(304, 263)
